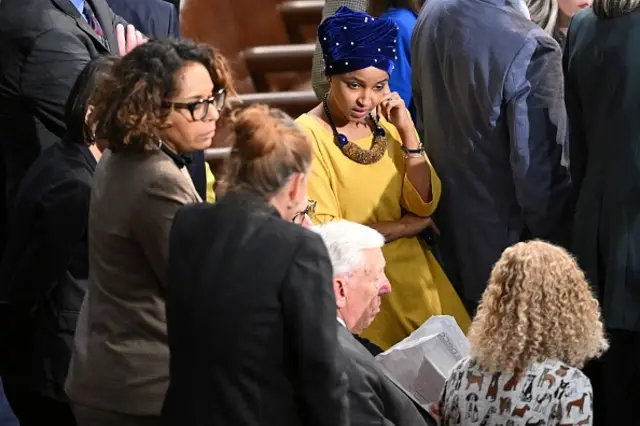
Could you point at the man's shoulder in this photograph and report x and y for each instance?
(26, 16)
(488, 21)
(357, 357)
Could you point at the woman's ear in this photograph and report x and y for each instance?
(298, 190)
(88, 114)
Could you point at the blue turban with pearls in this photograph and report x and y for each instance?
(353, 40)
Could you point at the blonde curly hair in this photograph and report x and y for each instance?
(537, 305)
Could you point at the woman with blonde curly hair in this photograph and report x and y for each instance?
(536, 325)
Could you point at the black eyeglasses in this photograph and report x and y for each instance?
(311, 208)
(200, 108)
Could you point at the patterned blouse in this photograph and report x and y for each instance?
(547, 394)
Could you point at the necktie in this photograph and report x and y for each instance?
(92, 20)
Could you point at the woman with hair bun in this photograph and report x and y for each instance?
(250, 307)
(536, 325)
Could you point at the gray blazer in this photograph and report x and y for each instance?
(374, 399)
(121, 356)
(488, 91)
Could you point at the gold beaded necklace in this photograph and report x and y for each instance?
(352, 150)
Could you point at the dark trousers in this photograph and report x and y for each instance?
(33, 409)
(616, 380)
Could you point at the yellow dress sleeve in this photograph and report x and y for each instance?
(211, 180)
(413, 202)
(320, 185)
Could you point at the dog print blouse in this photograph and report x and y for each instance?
(547, 394)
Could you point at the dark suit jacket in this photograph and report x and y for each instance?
(251, 320)
(154, 18)
(159, 19)
(44, 270)
(44, 44)
(374, 399)
(601, 62)
(489, 96)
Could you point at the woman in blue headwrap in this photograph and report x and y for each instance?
(369, 167)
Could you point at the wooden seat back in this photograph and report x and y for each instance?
(263, 60)
(299, 13)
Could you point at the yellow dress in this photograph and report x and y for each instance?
(211, 180)
(344, 189)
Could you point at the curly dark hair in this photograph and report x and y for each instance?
(131, 104)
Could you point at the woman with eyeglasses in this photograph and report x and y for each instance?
(161, 100)
(250, 308)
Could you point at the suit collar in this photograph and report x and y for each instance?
(250, 200)
(514, 6)
(79, 4)
(82, 150)
(104, 14)
(103, 17)
(181, 160)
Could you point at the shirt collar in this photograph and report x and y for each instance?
(180, 160)
(341, 321)
(79, 4)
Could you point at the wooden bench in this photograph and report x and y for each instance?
(293, 103)
(299, 13)
(263, 60)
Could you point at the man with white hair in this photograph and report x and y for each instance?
(359, 282)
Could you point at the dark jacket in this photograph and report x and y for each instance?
(488, 91)
(45, 267)
(44, 44)
(159, 19)
(601, 64)
(251, 318)
(154, 18)
(374, 399)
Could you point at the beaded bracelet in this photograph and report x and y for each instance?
(418, 150)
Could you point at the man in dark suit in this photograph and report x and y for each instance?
(601, 94)
(44, 44)
(359, 283)
(487, 86)
(159, 19)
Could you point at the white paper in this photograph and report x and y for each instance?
(422, 362)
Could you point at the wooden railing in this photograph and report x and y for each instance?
(293, 103)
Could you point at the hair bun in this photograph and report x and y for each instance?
(256, 131)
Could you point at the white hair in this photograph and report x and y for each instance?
(345, 242)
